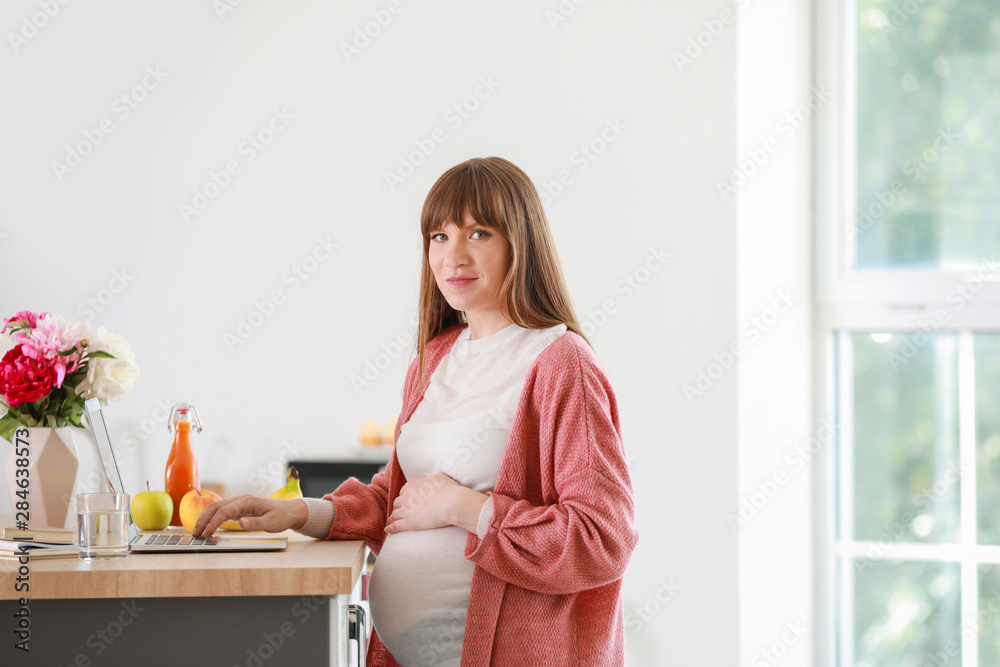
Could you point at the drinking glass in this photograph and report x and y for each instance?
(102, 521)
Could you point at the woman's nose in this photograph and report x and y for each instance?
(456, 255)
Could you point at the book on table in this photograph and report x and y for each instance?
(48, 535)
(36, 550)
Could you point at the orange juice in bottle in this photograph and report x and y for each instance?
(182, 466)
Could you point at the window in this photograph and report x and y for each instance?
(928, 150)
(908, 280)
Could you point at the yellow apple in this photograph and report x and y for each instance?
(152, 510)
(193, 504)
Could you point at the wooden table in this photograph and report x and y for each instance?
(254, 609)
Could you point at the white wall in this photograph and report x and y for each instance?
(287, 388)
(778, 443)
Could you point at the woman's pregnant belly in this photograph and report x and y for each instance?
(419, 595)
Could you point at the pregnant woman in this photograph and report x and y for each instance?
(503, 523)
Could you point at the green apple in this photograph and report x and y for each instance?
(152, 510)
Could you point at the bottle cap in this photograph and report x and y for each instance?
(183, 411)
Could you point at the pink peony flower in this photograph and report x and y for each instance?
(23, 379)
(44, 344)
(24, 319)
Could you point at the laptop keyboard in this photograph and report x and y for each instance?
(167, 539)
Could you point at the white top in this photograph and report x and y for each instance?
(419, 590)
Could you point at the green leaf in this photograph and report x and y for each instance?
(100, 353)
(26, 419)
(68, 352)
(9, 423)
(74, 411)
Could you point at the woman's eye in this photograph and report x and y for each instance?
(485, 234)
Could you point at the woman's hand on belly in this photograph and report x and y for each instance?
(435, 501)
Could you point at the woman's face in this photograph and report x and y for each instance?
(478, 254)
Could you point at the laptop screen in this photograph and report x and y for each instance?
(95, 415)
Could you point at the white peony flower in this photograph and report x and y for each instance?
(109, 379)
(73, 328)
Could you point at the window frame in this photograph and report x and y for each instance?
(848, 299)
(854, 298)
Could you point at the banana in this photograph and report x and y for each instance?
(290, 490)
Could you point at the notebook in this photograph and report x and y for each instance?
(168, 541)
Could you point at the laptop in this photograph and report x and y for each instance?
(168, 541)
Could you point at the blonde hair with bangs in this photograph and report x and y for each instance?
(497, 194)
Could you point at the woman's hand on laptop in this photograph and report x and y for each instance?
(253, 513)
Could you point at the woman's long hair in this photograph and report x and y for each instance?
(498, 195)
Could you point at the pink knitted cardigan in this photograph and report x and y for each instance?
(546, 588)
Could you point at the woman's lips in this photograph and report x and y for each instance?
(459, 282)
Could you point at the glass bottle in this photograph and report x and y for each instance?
(182, 467)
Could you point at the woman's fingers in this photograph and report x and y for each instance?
(422, 504)
(206, 516)
(223, 510)
(395, 523)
